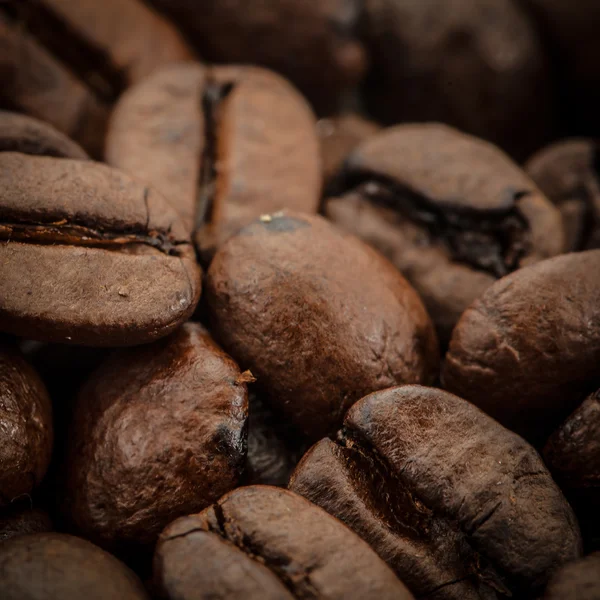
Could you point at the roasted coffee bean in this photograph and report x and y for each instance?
(314, 44)
(21, 519)
(452, 212)
(158, 432)
(527, 352)
(265, 542)
(89, 255)
(339, 136)
(66, 61)
(457, 505)
(570, 30)
(479, 66)
(568, 172)
(573, 456)
(579, 580)
(53, 566)
(274, 447)
(223, 145)
(19, 133)
(320, 318)
(25, 426)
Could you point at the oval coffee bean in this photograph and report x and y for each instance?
(89, 255)
(54, 566)
(223, 145)
(314, 44)
(338, 136)
(456, 504)
(527, 351)
(19, 133)
(265, 542)
(452, 212)
(579, 580)
(573, 456)
(158, 432)
(22, 519)
(320, 318)
(25, 427)
(475, 67)
(66, 61)
(568, 172)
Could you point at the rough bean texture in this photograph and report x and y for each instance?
(527, 351)
(459, 506)
(89, 255)
(319, 318)
(22, 519)
(54, 566)
(265, 542)
(25, 426)
(158, 432)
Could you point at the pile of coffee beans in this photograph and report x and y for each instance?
(299, 299)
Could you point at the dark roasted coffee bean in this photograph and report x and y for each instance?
(339, 136)
(527, 352)
(568, 172)
(19, 133)
(158, 432)
(66, 61)
(460, 507)
(88, 255)
(452, 212)
(52, 566)
(25, 426)
(570, 30)
(479, 67)
(579, 580)
(319, 317)
(314, 44)
(263, 542)
(21, 519)
(223, 145)
(573, 456)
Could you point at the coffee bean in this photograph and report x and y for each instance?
(319, 318)
(459, 506)
(338, 136)
(224, 145)
(452, 212)
(573, 456)
(53, 566)
(89, 255)
(479, 67)
(66, 61)
(19, 133)
(314, 44)
(568, 172)
(158, 432)
(25, 426)
(527, 351)
(21, 519)
(265, 542)
(579, 580)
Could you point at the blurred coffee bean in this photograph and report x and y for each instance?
(314, 44)
(527, 352)
(568, 172)
(25, 426)
(452, 212)
(579, 580)
(158, 432)
(262, 542)
(20, 518)
(53, 566)
(66, 61)
(224, 145)
(320, 318)
(478, 65)
(457, 505)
